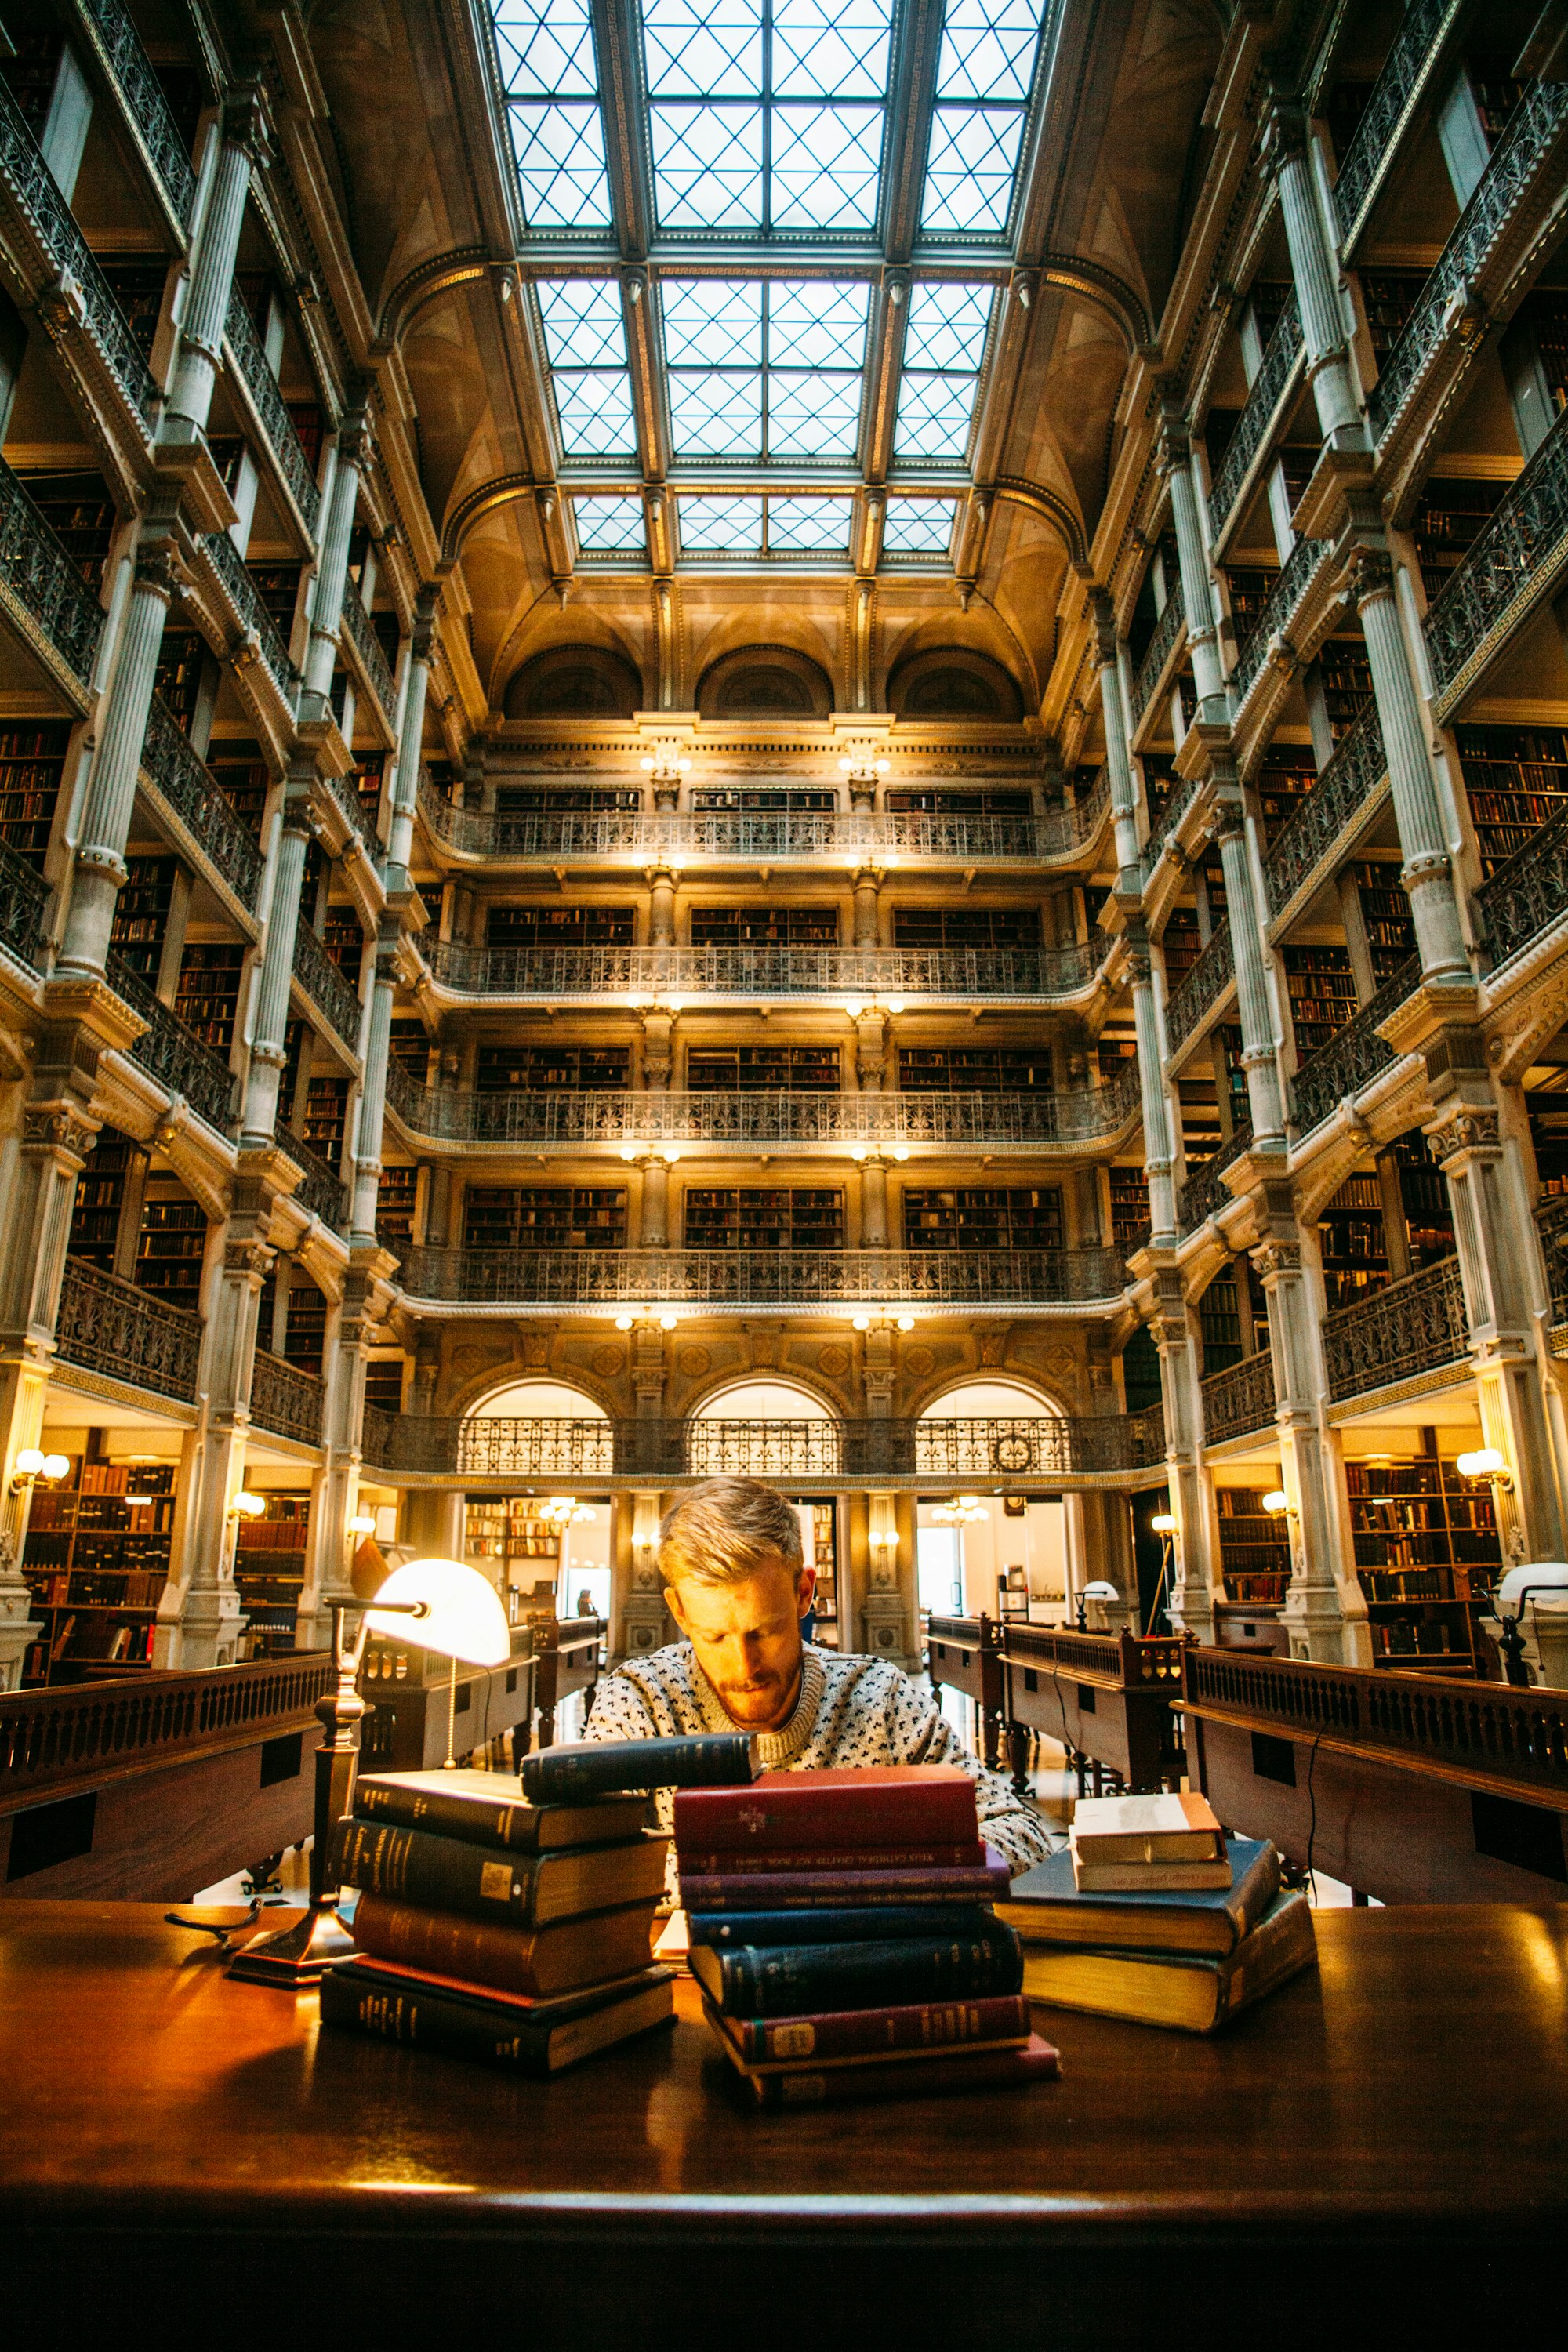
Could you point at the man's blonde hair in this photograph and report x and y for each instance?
(728, 1528)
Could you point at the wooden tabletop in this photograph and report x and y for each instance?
(1409, 2099)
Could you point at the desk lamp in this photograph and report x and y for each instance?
(1517, 1585)
(1098, 1590)
(437, 1604)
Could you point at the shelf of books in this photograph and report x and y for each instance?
(270, 1570)
(825, 1552)
(1255, 1556)
(97, 1559)
(1427, 1555)
(505, 1538)
(1517, 780)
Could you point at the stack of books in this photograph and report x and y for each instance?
(494, 1929)
(1153, 1913)
(840, 1928)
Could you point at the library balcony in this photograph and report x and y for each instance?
(1204, 1195)
(812, 1279)
(1524, 904)
(1277, 381)
(1269, 641)
(1160, 655)
(370, 663)
(1239, 1401)
(328, 994)
(182, 1064)
(285, 1400)
(111, 1328)
(318, 1190)
(1353, 1057)
(639, 975)
(43, 598)
(1517, 561)
(1167, 815)
(270, 426)
(197, 817)
(1552, 1225)
(1201, 992)
(1420, 48)
(23, 904)
(1349, 791)
(350, 821)
(244, 615)
(1413, 1327)
(155, 136)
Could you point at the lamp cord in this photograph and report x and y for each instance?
(1313, 1819)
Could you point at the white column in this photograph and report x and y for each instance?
(373, 1090)
(331, 576)
(410, 744)
(267, 1050)
(212, 272)
(99, 872)
(1244, 918)
(1312, 268)
(1197, 597)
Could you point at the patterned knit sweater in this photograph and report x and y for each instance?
(850, 1711)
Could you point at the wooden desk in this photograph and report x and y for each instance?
(567, 1650)
(1106, 1696)
(1383, 2147)
(965, 1654)
(406, 1729)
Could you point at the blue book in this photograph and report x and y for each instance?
(728, 1930)
(1044, 1907)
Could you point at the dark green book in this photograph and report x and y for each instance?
(1045, 1907)
(446, 1873)
(581, 1768)
(489, 1808)
(1197, 1991)
(531, 2037)
(869, 1925)
(802, 1979)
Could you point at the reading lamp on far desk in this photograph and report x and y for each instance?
(436, 1604)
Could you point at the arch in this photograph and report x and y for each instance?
(1045, 506)
(765, 682)
(954, 682)
(768, 1400)
(535, 1429)
(1007, 1398)
(801, 1440)
(535, 1400)
(574, 681)
(1093, 283)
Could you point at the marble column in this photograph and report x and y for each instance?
(372, 1092)
(211, 283)
(332, 569)
(331, 1557)
(1158, 1153)
(1314, 272)
(268, 1054)
(200, 1616)
(1118, 757)
(873, 1201)
(98, 873)
(410, 742)
(1197, 1580)
(661, 885)
(1197, 592)
(1244, 914)
(867, 894)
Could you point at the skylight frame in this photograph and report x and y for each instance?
(837, 557)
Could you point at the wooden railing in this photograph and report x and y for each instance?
(50, 1737)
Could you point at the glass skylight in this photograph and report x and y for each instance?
(585, 339)
(919, 526)
(764, 116)
(761, 369)
(983, 77)
(610, 526)
(764, 526)
(943, 346)
(550, 83)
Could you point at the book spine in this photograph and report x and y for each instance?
(719, 1862)
(427, 2021)
(510, 1828)
(1277, 1947)
(794, 1816)
(562, 1776)
(866, 2033)
(918, 2078)
(789, 1891)
(803, 1979)
(442, 1872)
(887, 1922)
(480, 1950)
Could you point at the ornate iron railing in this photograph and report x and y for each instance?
(1204, 1193)
(1170, 625)
(1239, 1400)
(1166, 817)
(1527, 893)
(1517, 561)
(1275, 370)
(52, 1737)
(1552, 1225)
(319, 1190)
(356, 813)
(78, 275)
(23, 901)
(155, 128)
(44, 590)
(285, 1399)
(109, 1325)
(1342, 1067)
(1202, 987)
(267, 399)
(1343, 790)
(761, 1277)
(573, 1118)
(1416, 1325)
(184, 1064)
(179, 777)
(333, 996)
(1279, 608)
(245, 597)
(367, 651)
(761, 971)
(1528, 139)
(1411, 56)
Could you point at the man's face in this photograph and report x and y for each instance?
(747, 1639)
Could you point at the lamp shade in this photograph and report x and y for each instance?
(463, 1617)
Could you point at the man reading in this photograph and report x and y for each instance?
(737, 1587)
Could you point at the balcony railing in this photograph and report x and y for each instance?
(33, 189)
(1036, 1448)
(1203, 1192)
(355, 812)
(745, 1277)
(1203, 987)
(157, 133)
(1340, 1069)
(1278, 610)
(871, 973)
(1528, 894)
(1518, 560)
(372, 663)
(109, 1325)
(266, 398)
(1412, 55)
(1416, 1325)
(179, 779)
(46, 597)
(1521, 154)
(1353, 776)
(333, 996)
(1552, 1225)
(1239, 1400)
(23, 901)
(985, 1120)
(1173, 620)
(1253, 426)
(320, 1190)
(1166, 817)
(184, 1064)
(245, 597)
(285, 1399)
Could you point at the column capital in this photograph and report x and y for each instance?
(422, 637)
(155, 573)
(1103, 612)
(247, 121)
(1369, 576)
(1275, 1258)
(1284, 133)
(60, 1129)
(1462, 1134)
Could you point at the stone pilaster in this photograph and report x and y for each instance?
(1118, 757)
(1158, 1152)
(1244, 917)
(271, 1020)
(1197, 596)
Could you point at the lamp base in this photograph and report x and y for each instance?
(295, 1956)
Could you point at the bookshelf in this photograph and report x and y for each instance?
(544, 1216)
(506, 1539)
(270, 1570)
(1545, 311)
(1351, 1238)
(764, 926)
(80, 511)
(178, 681)
(100, 1197)
(326, 1117)
(988, 1217)
(1219, 1316)
(278, 586)
(1517, 780)
(763, 800)
(1254, 1553)
(1322, 995)
(549, 1069)
(305, 1333)
(764, 1069)
(1388, 297)
(171, 1245)
(824, 1517)
(1229, 1040)
(1181, 943)
(1249, 586)
(565, 800)
(1449, 518)
(561, 927)
(342, 936)
(383, 1384)
(32, 761)
(1427, 1556)
(97, 1563)
(1128, 1205)
(1385, 914)
(764, 1219)
(409, 1046)
(395, 1197)
(966, 927)
(142, 915)
(1288, 774)
(984, 800)
(1424, 1195)
(240, 773)
(1548, 1131)
(207, 998)
(1345, 676)
(975, 1069)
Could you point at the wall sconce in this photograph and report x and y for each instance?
(864, 771)
(1276, 1503)
(31, 1465)
(666, 769)
(855, 1006)
(964, 1511)
(625, 1322)
(906, 1322)
(1487, 1465)
(246, 1505)
(668, 1322)
(362, 1524)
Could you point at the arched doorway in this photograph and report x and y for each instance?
(547, 1541)
(1009, 1550)
(777, 1432)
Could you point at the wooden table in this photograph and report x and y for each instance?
(1380, 2151)
(1106, 1696)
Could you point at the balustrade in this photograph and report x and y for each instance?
(109, 1325)
(50, 1737)
(184, 1064)
(1517, 558)
(1345, 790)
(1202, 988)
(763, 1277)
(1239, 1400)
(1204, 1193)
(319, 1190)
(1166, 818)
(333, 995)
(367, 651)
(359, 819)
(1278, 610)
(1276, 370)
(1340, 1069)
(23, 901)
(284, 1399)
(271, 411)
(156, 131)
(246, 598)
(46, 597)
(1412, 54)
(556, 972)
(1170, 625)
(180, 778)
(1527, 894)
(1416, 1325)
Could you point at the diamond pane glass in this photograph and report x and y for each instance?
(947, 327)
(716, 415)
(610, 526)
(560, 155)
(988, 49)
(828, 166)
(933, 418)
(582, 322)
(596, 413)
(813, 416)
(830, 49)
(970, 165)
(722, 526)
(808, 525)
(817, 323)
(708, 165)
(545, 48)
(712, 322)
(919, 526)
(703, 49)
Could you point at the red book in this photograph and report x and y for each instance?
(968, 1855)
(863, 2036)
(796, 1813)
(912, 2078)
(767, 1890)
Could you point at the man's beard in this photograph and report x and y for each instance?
(761, 1698)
